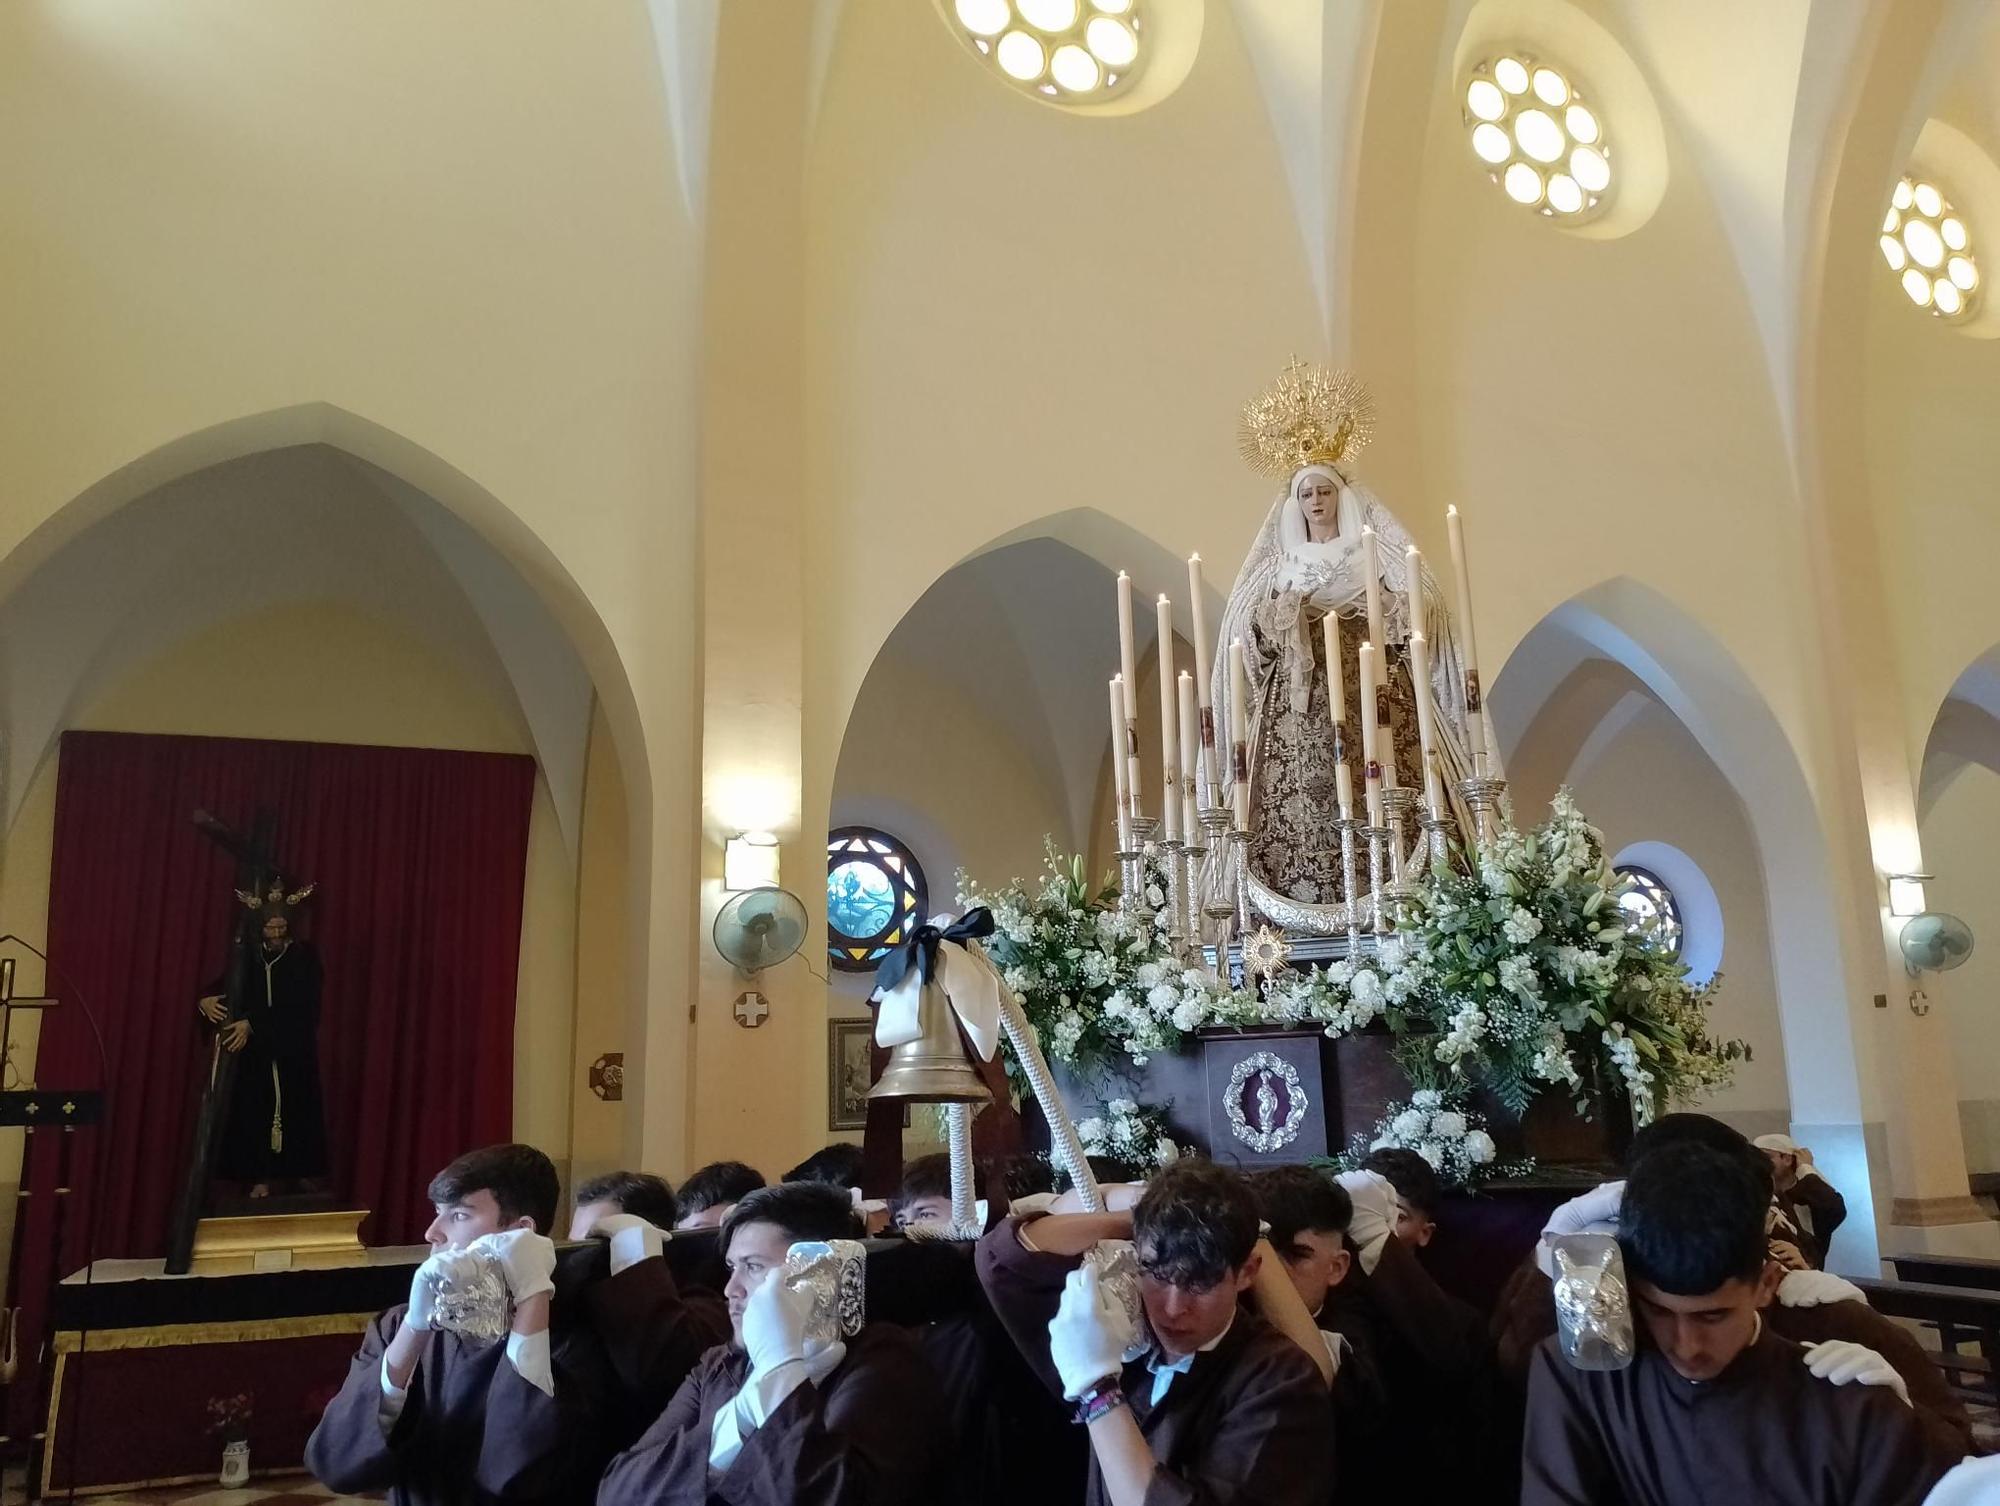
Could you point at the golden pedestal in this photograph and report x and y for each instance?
(278, 1242)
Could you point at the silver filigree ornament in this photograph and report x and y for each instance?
(1118, 1278)
(1593, 1309)
(468, 1294)
(833, 1275)
(1268, 1134)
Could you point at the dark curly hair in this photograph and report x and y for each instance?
(1195, 1225)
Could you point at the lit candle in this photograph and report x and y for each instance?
(1336, 706)
(1239, 729)
(1475, 719)
(1117, 688)
(1420, 672)
(1372, 773)
(1201, 762)
(1190, 741)
(1170, 726)
(1413, 588)
(1371, 566)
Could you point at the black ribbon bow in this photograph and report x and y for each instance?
(920, 951)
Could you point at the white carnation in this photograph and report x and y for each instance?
(1188, 1016)
(1426, 1098)
(1409, 1124)
(1480, 1148)
(1449, 1125)
(1433, 1153)
(1165, 1153)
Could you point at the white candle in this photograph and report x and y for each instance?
(1127, 662)
(1475, 716)
(1117, 688)
(1371, 566)
(1201, 761)
(1239, 727)
(1190, 741)
(1413, 588)
(1170, 726)
(1420, 672)
(1336, 706)
(1372, 773)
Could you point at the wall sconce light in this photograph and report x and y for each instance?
(750, 861)
(1906, 894)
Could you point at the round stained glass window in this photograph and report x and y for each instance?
(1649, 908)
(875, 895)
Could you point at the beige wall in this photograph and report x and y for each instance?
(1960, 831)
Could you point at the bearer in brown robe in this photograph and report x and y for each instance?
(773, 1418)
(436, 1419)
(655, 1326)
(1715, 1406)
(1217, 1404)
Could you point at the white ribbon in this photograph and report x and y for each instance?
(971, 985)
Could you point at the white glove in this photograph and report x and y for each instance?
(632, 1239)
(1844, 1362)
(1972, 1482)
(1374, 1221)
(527, 1260)
(774, 1324)
(449, 1266)
(1816, 1288)
(1596, 1212)
(1089, 1334)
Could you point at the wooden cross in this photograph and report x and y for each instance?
(751, 1010)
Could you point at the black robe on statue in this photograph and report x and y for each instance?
(277, 1120)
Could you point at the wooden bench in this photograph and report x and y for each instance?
(1948, 1270)
(1961, 1315)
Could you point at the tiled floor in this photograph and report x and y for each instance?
(279, 1490)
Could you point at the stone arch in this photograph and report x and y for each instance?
(513, 549)
(1696, 678)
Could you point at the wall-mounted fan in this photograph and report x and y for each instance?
(1934, 942)
(760, 928)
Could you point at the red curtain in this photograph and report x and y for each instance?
(419, 855)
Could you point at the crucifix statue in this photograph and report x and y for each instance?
(261, 1123)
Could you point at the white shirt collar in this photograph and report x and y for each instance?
(1164, 1370)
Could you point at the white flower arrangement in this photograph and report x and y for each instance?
(1133, 1135)
(1452, 1140)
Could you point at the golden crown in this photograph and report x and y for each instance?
(1312, 415)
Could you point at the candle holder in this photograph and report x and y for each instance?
(1241, 839)
(1176, 897)
(1347, 826)
(1220, 906)
(1378, 837)
(1192, 854)
(1398, 808)
(1437, 828)
(1482, 796)
(1132, 894)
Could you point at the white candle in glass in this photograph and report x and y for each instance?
(1201, 763)
(1370, 736)
(1117, 688)
(1420, 672)
(1170, 725)
(1371, 565)
(1190, 741)
(1475, 730)
(1239, 727)
(1336, 707)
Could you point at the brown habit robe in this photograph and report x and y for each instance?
(1766, 1431)
(875, 1432)
(654, 1332)
(1249, 1422)
(472, 1430)
(1527, 1315)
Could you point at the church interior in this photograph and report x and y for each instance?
(500, 498)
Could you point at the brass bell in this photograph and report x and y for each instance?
(932, 1068)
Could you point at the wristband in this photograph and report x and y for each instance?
(1100, 1399)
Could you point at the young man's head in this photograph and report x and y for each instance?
(707, 1196)
(839, 1165)
(1308, 1215)
(639, 1193)
(1195, 1232)
(768, 1222)
(1418, 1192)
(486, 1191)
(926, 1191)
(1692, 1229)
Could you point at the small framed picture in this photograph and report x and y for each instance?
(847, 1073)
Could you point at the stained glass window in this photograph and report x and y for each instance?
(1649, 907)
(875, 895)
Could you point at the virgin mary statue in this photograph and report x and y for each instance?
(1308, 561)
